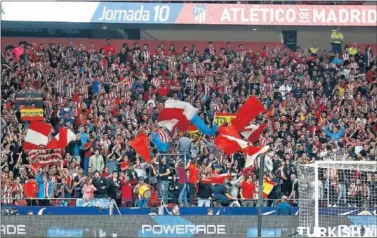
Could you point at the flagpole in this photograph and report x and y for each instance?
(260, 193)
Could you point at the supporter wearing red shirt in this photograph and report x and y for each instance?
(247, 192)
(125, 163)
(108, 47)
(31, 191)
(163, 90)
(126, 188)
(193, 179)
(264, 52)
(105, 173)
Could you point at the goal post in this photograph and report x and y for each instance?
(338, 198)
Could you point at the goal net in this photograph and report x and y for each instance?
(338, 199)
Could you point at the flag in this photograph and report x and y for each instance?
(37, 135)
(253, 132)
(267, 188)
(252, 152)
(229, 140)
(176, 114)
(161, 140)
(193, 133)
(247, 113)
(31, 114)
(140, 145)
(223, 118)
(218, 178)
(62, 139)
(202, 127)
(44, 157)
(250, 129)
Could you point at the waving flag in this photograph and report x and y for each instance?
(253, 132)
(193, 133)
(31, 114)
(252, 152)
(247, 113)
(203, 128)
(161, 140)
(229, 140)
(37, 134)
(223, 118)
(140, 145)
(62, 139)
(267, 187)
(178, 114)
(218, 178)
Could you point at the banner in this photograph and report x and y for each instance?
(193, 133)
(191, 13)
(31, 114)
(223, 118)
(34, 99)
(97, 202)
(184, 226)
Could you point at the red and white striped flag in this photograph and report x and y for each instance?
(37, 134)
(253, 132)
(229, 140)
(176, 114)
(252, 152)
(247, 113)
(218, 178)
(62, 139)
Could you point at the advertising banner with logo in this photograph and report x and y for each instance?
(191, 13)
(142, 226)
(181, 226)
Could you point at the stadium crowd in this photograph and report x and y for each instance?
(320, 105)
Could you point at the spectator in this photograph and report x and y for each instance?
(373, 191)
(126, 188)
(45, 189)
(17, 189)
(78, 183)
(63, 190)
(193, 179)
(88, 189)
(142, 201)
(284, 208)
(368, 58)
(204, 193)
(182, 182)
(247, 192)
(96, 161)
(184, 147)
(221, 195)
(107, 98)
(31, 191)
(114, 189)
(163, 175)
(337, 40)
(101, 186)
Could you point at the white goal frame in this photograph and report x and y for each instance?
(363, 165)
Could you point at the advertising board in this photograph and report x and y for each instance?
(191, 13)
(183, 226)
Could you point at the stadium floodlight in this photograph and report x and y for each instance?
(335, 199)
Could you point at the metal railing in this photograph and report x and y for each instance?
(103, 203)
